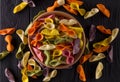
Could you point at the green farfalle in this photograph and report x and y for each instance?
(47, 54)
(19, 53)
(22, 36)
(62, 40)
(56, 62)
(25, 58)
(19, 7)
(39, 13)
(3, 54)
(28, 27)
(36, 69)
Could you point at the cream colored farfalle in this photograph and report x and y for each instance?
(47, 47)
(91, 13)
(61, 2)
(22, 36)
(96, 57)
(50, 76)
(99, 69)
(68, 22)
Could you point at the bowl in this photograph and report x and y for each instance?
(62, 15)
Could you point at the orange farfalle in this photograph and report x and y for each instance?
(104, 10)
(63, 28)
(104, 30)
(69, 9)
(52, 8)
(8, 39)
(71, 33)
(101, 49)
(7, 31)
(35, 26)
(29, 67)
(38, 37)
(85, 57)
(75, 1)
(63, 47)
(81, 72)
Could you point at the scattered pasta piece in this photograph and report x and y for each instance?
(22, 36)
(9, 75)
(84, 58)
(19, 53)
(8, 39)
(55, 5)
(108, 40)
(7, 31)
(99, 69)
(104, 30)
(104, 10)
(19, 7)
(98, 57)
(81, 72)
(91, 13)
(69, 9)
(3, 54)
(92, 33)
(101, 49)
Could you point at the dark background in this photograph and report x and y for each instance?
(111, 72)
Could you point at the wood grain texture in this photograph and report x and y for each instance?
(111, 72)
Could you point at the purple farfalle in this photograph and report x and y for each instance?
(30, 3)
(19, 65)
(66, 53)
(49, 16)
(39, 54)
(92, 33)
(76, 46)
(46, 71)
(110, 54)
(70, 60)
(9, 75)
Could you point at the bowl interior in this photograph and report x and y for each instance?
(77, 56)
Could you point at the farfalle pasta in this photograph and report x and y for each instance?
(22, 36)
(56, 43)
(20, 53)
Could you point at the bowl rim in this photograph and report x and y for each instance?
(81, 52)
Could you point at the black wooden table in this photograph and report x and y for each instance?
(111, 72)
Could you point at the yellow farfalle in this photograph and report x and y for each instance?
(77, 29)
(108, 40)
(49, 26)
(20, 7)
(75, 6)
(49, 20)
(48, 32)
(22, 36)
(56, 53)
(24, 75)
